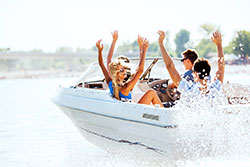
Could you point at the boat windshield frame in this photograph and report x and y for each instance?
(91, 68)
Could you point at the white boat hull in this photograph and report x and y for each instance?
(113, 125)
(119, 126)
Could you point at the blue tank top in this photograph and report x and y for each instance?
(122, 96)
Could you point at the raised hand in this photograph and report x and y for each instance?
(115, 35)
(99, 45)
(216, 38)
(145, 45)
(140, 41)
(161, 36)
(112, 47)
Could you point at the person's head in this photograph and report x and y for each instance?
(189, 57)
(118, 74)
(201, 69)
(117, 70)
(126, 62)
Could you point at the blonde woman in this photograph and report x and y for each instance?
(121, 57)
(117, 73)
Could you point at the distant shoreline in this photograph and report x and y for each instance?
(38, 74)
(30, 74)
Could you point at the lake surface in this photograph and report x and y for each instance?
(34, 132)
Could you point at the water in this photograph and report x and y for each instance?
(33, 132)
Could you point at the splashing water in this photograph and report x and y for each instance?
(210, 132)
(211, 129)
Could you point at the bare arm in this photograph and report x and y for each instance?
(143, 44)
(112, 47)
(174, 74)
(140, 42)
(100, 61)
(216, 38)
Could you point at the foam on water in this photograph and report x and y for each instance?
(211, 130)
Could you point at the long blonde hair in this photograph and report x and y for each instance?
(114, 72)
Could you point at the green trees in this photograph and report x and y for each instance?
(5, 50)
(206, 46)
(64, 50)
(128, 47)
(241, 44)
(208, 29)
(182, 37)
(134, 47)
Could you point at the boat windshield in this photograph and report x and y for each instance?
(94, 73)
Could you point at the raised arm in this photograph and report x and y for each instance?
(174, 74)
(216, 38)
(143, 44)
(140, 42)
(112, 47)
(100, 61)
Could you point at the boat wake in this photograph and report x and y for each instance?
(208, 130)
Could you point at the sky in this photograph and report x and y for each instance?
(50, 24)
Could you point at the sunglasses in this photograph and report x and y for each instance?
(182, 60)
(122, 70)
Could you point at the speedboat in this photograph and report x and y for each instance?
(114, 125)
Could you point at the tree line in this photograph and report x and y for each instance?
(239, 45)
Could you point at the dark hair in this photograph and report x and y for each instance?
(202, 67)
(190, 54)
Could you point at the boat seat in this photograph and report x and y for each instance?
(101, 85)
(136, 96)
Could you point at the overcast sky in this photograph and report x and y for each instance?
(50, 24)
